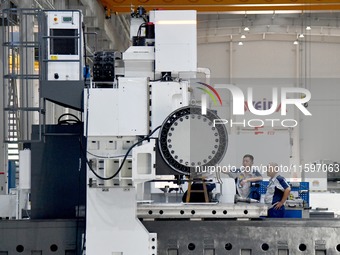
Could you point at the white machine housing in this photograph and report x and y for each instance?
(64, 45)
(113, 110)
(175, 41)
(120, 146)
(116, 117)
(139, 61)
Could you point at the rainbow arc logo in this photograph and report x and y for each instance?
(209, 90)
(212, 93)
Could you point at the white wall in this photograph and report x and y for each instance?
(216, 57)
(274, 148)
(318, 135)
(324, 60)
(264, 60)
(320, 132)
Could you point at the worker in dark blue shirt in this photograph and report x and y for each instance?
(277, 192)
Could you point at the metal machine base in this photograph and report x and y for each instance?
(253, 237)
(185, 237)
(200, 211)
(39, 237)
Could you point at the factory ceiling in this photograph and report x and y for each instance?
(223, 5)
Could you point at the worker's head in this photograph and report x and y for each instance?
(272, 169)
(248, 160)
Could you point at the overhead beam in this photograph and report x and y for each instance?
(268, 37)
(223, 5)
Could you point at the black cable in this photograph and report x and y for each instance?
(140, 29)
(75, 120)
(124, 159)
(85, 55)
(145, 18)
(106, 157)
(155, 80)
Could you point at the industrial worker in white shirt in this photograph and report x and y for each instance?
(277, 192)
(246, 175)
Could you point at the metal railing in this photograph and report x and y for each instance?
(20, 81)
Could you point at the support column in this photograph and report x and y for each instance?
(3, 147)
(295, 160)
(26, 87)
(231, 76)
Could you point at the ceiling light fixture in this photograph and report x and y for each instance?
(301, 36)
(296, 42)
(243, 37)
(308, 28)
(240, 43)
(246, 29)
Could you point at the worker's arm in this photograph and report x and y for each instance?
(284, 198)
(253, 179)
(232, 173)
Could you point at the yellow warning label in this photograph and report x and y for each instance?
(54, 57)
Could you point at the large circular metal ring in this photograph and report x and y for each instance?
(189, 140)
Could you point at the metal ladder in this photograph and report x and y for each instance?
(13, 124)
(19, 79)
